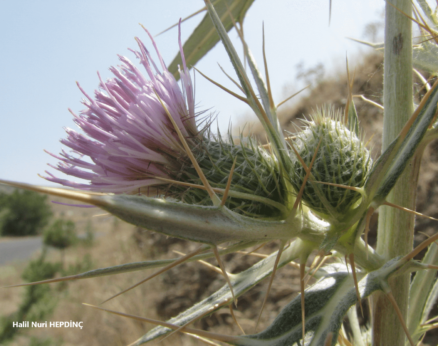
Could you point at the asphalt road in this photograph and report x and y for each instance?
(19, 250)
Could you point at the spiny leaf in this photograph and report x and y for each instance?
(210, 225)
(241, 283)
(392, 162)
(205, 37)
(353, 119)
(428, 12)
(327, 301)
(422, 287)
(136, 266)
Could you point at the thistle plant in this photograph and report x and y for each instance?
(153, 162)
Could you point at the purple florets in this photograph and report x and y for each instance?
(129, 138)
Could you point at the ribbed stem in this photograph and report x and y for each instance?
(395, 230)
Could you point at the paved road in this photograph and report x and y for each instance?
(20, 249)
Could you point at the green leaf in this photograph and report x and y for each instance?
(275, 132)
(431, 301)
(241, 283)
(428, 12)
(210, 225)
(353, 119)
(267, 119)
(326, 303)
(392, 162)
(237, 64)
(422, 295)
(205, 37)
(143, 265)
(424, 57)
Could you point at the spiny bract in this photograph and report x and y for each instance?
(341, 159)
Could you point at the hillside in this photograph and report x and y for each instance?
(183, 286)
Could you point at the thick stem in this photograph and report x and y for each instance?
(395, 230)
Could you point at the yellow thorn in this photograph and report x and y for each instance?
(409, 210)
(208, 265)
(346, 263)
(324, 201)
(230, 192)
(227, 189)
(49, 281)
(253, 252)
(241, 98)
(349, 98)
(318, 258)
(369, 140)
(369, 101)
(195, 319)
(202, 333)
(356, 189)
(400, 317)
(235, 319)
(271, 280)
(231, 79)
(182, 20)
(420, 247)
(303, 185)
(343, 340)
(328, 339)
(214, 198)
(428, 321)
(303, 299)
(356, 284)
(224, 273)
(284, 101)
(265, 61)
(321, 262)
(99, 215)
(162, 270)
(250, 90)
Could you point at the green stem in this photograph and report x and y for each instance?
(395, 229)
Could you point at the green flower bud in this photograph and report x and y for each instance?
(341, 159)
(256, 174)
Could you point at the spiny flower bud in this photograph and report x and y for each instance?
(341, 159)
(256, 174)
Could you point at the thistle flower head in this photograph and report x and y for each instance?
(128, 137)
(132, 145)
(341, 159)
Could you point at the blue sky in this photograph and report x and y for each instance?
(49, 45)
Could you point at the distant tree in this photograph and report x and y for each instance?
(23, 213)
(60, 234)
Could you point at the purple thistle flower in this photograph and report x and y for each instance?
(131, 144)
(128, 135)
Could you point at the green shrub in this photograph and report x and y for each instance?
(39, 269)
(60, 234)
(38, 301)
(23, 213)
